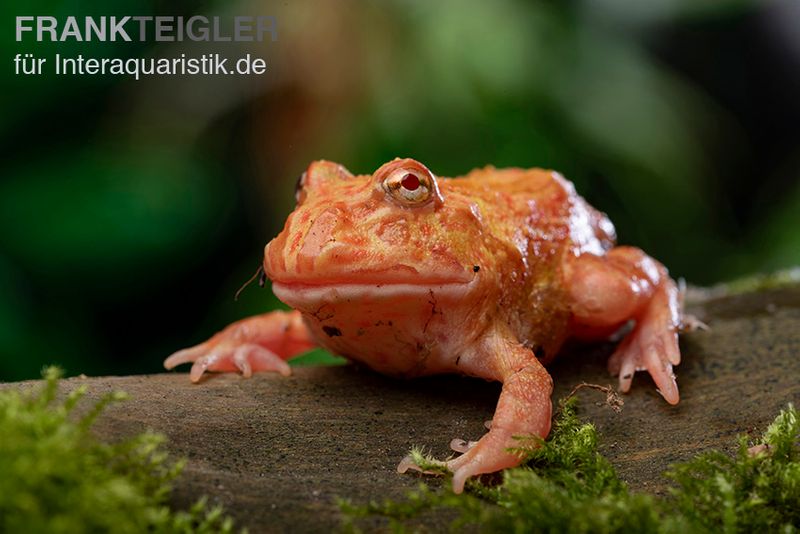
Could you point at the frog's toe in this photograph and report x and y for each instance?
(461, 445)
(408, 463)
(185, 355)
(251, 358)
(643, 350)
(469, 465)
(662, 374)
(464, 473)
(202, 364)
(624, 363)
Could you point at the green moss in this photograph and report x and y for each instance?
(763, 282)
(749, 492)
(565, 485)
(56, 477)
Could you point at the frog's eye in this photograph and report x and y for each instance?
(408, 183)
(410, 187)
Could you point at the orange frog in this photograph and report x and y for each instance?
(485, 275)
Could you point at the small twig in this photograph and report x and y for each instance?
(613, 400)
(262, 279)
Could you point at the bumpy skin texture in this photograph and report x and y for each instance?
(485, 275)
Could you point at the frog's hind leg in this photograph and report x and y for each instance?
(260, 343)
(626, 284)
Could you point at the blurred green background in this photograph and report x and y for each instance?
(131, 211)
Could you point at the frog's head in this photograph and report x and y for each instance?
(394, 228)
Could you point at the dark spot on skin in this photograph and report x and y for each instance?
(476, 268)
(318, 315)
(332, 331)
(458, 360)
(390, 323)
(626, 377)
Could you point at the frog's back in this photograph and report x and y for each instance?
(540, 185)
(533, 219)
(540, 203)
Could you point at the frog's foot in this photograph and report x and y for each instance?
(490, 454)
(408, 463)
(652, 345)
(524, 409)
(608, 291)
(260, 343)
(244, 358)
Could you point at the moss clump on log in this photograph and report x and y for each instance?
(56, 477)
(565, 485)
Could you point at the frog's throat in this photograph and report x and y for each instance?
(299, 295)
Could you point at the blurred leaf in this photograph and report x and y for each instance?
(27, 95)
(776, 244)
(99, 210)
(637, 14)
(317, 357)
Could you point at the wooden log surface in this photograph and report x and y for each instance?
(277, 452)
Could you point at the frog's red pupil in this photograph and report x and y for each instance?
(410, 182)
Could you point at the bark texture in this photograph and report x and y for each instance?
(277, 451)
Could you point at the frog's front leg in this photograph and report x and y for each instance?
(260, 343)
(524, 407)
(626, 284)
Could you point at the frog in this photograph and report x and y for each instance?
(485, 275)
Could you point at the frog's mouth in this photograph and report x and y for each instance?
(299, 295)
